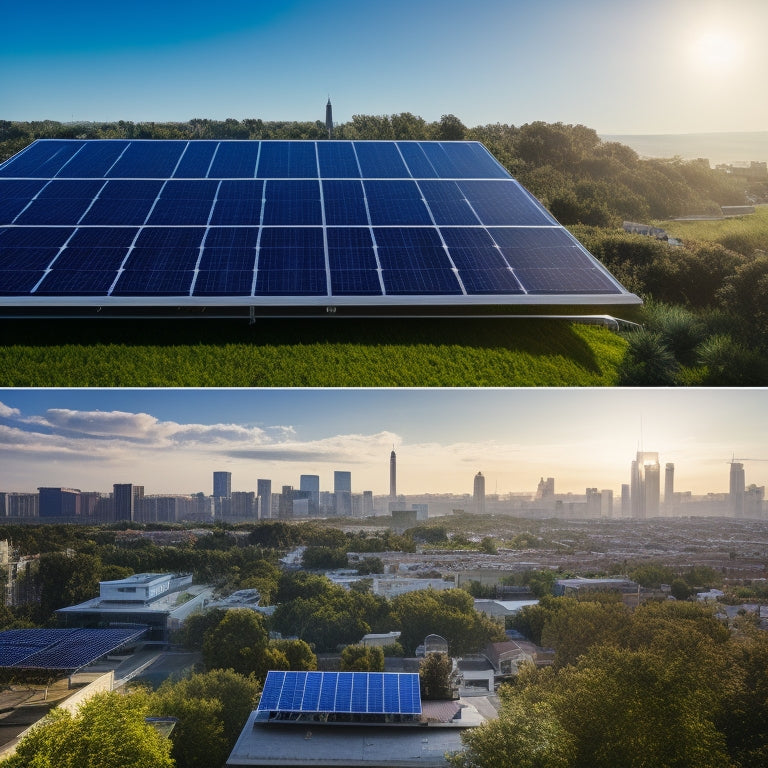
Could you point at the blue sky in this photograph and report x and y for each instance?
(172, 440)
(635, 66)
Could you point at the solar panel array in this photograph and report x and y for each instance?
(382, 693)
(61, 649)
(105, 222)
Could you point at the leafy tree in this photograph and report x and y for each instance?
(297, 653)
(197, 625)
(679, 589)
(237, 642)
(435, 676)
(108, 731)
(450, 128)
(324, 558)
(524, 735)
(362, 658)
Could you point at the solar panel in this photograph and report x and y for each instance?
(61, 650)
(269, 225)
(379, 693)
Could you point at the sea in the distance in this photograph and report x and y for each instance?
(716, 147)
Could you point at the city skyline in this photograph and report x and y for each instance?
(621, 68)
(171, 441)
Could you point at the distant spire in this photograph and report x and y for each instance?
(329, 118)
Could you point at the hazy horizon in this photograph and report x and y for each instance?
(171, 441)
(649, 68)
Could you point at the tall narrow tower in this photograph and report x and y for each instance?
(392, 475)
(329, 118)
(736, 489)
(478, 494)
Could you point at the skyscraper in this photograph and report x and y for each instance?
(478, 494)
(392, 475)
(264, 492)
(736, 490)
(124, 496)
(222, 485)
(645, 485)
(342, 490)
(311, 484)
(669, 486)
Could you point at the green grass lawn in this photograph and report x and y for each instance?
(312, 353)
(744, 234)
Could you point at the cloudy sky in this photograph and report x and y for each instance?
(633, 66)
(172, 440)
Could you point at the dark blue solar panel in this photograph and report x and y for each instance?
(93, 160)
(15, 195)
(270, 693)
(42, 159)
(344, 203)
(396, 203)
(391, 693)
(327, 700)
(344, 692)
(337, 160)
(123, 202)
(498, 238)
(462, 160)
(287, 160)
(235, 160)
(148, 160)
(196, 160)
(447, 203)
(313, 682)
(292, 202)
(61, 649)
(184, 202)
(564, 280)
(418, 163)
(380, 160)
(504, 203)
(359, 695)
(352, 262)
(60, 202)
(414, 262)
(239, 202)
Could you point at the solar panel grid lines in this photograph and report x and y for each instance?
(279, 189)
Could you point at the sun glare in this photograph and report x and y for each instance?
(716, 52)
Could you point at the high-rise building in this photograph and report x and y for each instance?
(222, 485)
(546, 488)
(59, 502)
(342, 491)
(736, 490)
(393, 475)
(311, 484)
(264, 492)
(285, 508)
(478, 494)
(645, 485)
(124, 496)
(367, 503)
(669, 486)
(626, 502)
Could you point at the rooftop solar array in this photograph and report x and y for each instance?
(379, 693)
(61, 649)
(116, 223)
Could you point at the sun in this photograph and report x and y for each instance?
(716, 52)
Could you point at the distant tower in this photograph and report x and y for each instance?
(669, 486)
(736, 490)
(264, 492)
(329, 118)
(478, 497)
(392, 475)
(645, 485)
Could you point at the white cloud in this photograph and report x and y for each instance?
(6, 412)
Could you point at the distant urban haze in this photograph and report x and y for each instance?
(649, 66)
(171, 441)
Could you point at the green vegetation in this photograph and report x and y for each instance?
(108, 731)
(361, 658)
(667, 685)
(321, 353)
(435, 676)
